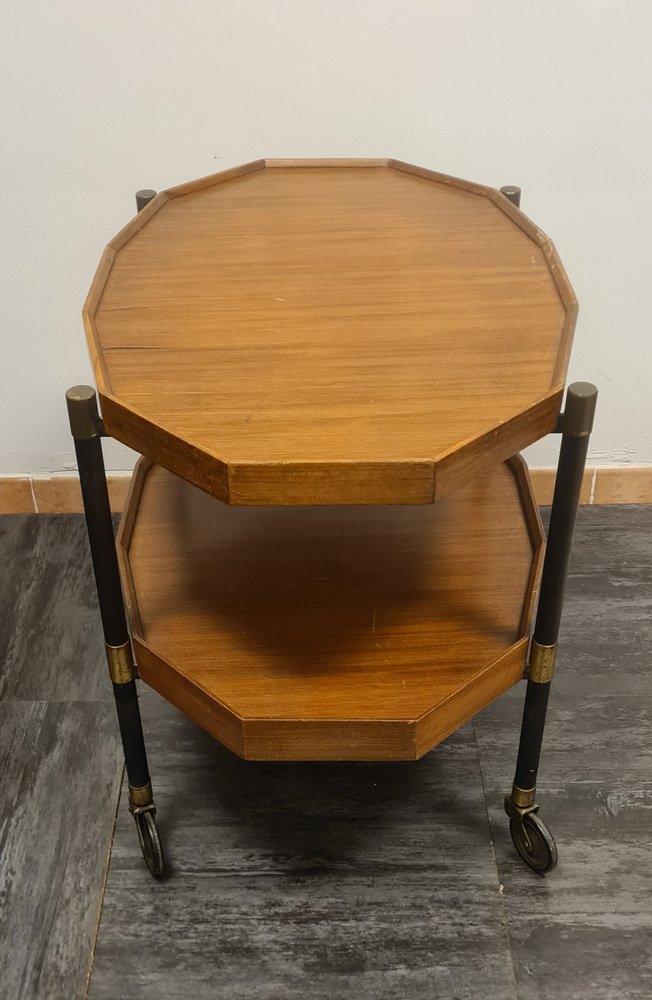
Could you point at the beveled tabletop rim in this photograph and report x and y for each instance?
(225, 479)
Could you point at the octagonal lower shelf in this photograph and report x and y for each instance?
(331, 633)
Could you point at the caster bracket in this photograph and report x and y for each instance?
(139, 810)
(516, 812)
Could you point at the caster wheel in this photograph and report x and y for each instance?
(150, 842)
(533, 841)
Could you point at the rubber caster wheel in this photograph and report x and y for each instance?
(534, 842)
(150, 842)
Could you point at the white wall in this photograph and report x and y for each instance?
(102, 98)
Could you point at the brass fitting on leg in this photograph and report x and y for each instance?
(85, 422)
(121, 663)
(577, 418)
(512, 193)
(521, 802)
(143, 198)
(141, 799)
(542, 662)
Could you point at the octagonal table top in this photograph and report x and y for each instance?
(332, 331)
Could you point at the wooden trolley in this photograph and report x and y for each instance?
(330, 548)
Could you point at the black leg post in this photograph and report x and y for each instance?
(86, 429)
(512, 193)
(143, 198)
(530, 835)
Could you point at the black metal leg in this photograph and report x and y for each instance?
(143, 198)
(512, 193)
(530, 835)
(86, 429)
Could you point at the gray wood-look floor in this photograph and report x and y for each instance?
(323, 880)
(60, 760)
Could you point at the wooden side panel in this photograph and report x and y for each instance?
(123, 542)
(178, 455)
(203, 708)
(497, 444)
(471, 697)
(534, 524)
(337, 739)
(336, 483)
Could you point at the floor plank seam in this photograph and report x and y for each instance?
(69, 702)
(91, 960)
(499, 885)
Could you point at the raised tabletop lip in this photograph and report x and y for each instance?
(341, 480)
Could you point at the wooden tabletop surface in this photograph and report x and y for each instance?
(330, 332)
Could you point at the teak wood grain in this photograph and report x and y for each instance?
(332, 332)
(319, 632)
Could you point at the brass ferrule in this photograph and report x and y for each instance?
(579, 411)
(82, 412)
(121, 663)
(523, 798)
(143, 198)
(512, 193)
(542, 662)
(141, 798)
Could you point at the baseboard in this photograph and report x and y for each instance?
(54, 494)
(602, 485)
(61, 494)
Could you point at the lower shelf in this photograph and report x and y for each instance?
(330, 633)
